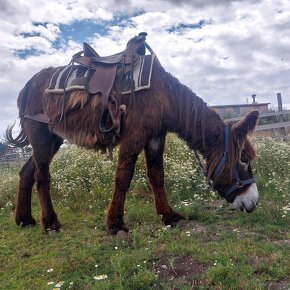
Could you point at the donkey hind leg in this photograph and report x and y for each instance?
(155, 172)
(23, 207)
(44, 148)
(129, 151)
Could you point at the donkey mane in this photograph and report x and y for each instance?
(204, 128)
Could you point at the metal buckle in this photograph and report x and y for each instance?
(240, 183)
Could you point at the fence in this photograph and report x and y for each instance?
(12, 161)
(278, 124)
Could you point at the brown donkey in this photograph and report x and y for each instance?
(167, 106)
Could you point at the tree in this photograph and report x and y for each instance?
(3, 148)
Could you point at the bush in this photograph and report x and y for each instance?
(83, 178)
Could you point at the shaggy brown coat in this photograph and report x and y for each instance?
(168, 106)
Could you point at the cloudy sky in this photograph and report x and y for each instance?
(224, 50)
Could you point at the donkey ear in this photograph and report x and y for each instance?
(245, 126)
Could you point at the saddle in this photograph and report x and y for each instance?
(109, 72)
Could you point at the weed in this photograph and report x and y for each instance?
(217, 248)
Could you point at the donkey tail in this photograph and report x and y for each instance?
(20, 141)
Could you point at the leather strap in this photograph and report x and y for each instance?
(38, 117)
(225, 154)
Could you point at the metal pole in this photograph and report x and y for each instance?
(279, 98)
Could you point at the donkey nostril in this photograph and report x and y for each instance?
(242, 206)
(253, 206)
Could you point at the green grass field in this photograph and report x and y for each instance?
(217, 248)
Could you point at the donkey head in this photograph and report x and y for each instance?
(231, 172)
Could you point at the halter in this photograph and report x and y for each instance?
(239, 183)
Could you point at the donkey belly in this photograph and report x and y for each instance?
(81, 136)
(80, 124)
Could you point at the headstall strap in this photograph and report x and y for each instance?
(225, 154)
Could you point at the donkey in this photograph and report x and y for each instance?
(167, 106)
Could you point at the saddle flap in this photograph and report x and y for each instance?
(102, 80)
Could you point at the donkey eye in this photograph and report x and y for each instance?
(243, 163)
(244, 158)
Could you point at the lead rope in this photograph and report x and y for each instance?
(200, 165)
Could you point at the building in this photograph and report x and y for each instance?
(233, 111)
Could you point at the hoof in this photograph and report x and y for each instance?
(25, 221)
(113, 230)
(51, 224)
(30, 225)
(173, 219)
(52, 232)
(181, 223)
(122, 235)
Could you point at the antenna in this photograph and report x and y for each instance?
(254, 99)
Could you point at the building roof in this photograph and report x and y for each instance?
(241, 105)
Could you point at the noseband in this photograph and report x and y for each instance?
(239, 183)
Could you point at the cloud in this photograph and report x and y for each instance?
(205, 3)
(12, 10)
(42, 11)
(224, 52)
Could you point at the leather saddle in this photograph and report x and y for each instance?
(108, 72)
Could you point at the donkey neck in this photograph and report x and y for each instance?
(191, 119)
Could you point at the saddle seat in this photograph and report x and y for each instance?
(134, 45)
(96, 58)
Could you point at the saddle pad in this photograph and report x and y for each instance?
(76, 77)
(68, 78)
(141, 74)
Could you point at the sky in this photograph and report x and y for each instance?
(224, 50)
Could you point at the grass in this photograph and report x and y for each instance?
(216, 249)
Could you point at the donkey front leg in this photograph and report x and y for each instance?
(129, 152)
(154, 160)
